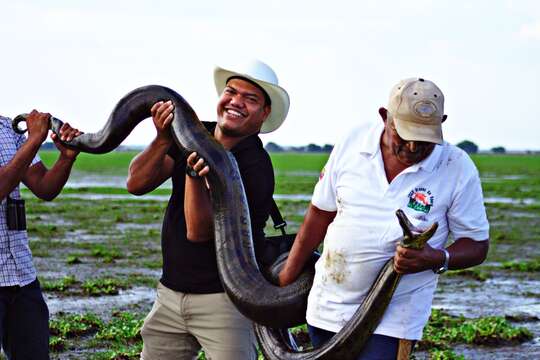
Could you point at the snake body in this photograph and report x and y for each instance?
(270, 306)
(349, 342)
(252, 294)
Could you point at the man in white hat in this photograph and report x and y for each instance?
(191, 310)
(403, 163)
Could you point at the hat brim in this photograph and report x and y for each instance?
(278, 96)
(411, 131)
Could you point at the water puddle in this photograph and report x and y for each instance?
(79, 304)
(494, 297)
(84, 196)
(81, 236)
(298, 173)
(504, 200)
(131, 226)
(496, 178)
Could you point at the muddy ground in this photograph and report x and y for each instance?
(91, 234)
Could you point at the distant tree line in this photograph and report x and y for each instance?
(467, 145)
(471, 148)
(311, 148)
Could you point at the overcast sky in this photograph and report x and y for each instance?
(337, 59)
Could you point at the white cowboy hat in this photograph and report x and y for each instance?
(266, 78)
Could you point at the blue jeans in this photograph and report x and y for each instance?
(24, 322)
(378, 347)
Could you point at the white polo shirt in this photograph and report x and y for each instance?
(444, 188)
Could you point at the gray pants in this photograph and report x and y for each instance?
(179, 325)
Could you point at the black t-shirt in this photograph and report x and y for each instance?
(191, 267)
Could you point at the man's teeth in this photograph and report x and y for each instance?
(234, 112)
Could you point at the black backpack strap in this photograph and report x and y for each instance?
(277, 219)
(277, 244)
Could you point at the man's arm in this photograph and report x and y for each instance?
(47, 184)
(153, 166)
(311, 234)
(464, 253)
(15, 171)
(197, 205)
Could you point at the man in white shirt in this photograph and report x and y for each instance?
(399, 163)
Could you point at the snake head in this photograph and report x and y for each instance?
(54, 124)
(414, 237)
(16, 121)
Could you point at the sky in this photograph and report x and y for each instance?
(337, 59)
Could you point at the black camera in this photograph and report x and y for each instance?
(16, 214)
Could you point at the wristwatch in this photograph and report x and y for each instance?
(191, 172)
(444, 267)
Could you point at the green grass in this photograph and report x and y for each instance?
(523, 266)
(113, 163)
(117, 162)
(526, 165)
(61, 285)
(444, 330)
(71, 325)
(102, 286)
(299, 162)
(515, 232)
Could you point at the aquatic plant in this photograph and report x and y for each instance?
(443, 330)
(73, 259)
(67, 325)
(474, 274)
(102, 286)
(60, 285)
(107, 254)
(124, 328)
(523, 266)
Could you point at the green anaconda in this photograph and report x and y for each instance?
(270, 306)
(255, 297)
(349, 342)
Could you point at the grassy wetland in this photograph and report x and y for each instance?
(97, 251)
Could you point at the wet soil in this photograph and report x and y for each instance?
(131, 227)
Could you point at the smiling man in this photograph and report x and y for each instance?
(403, 163)
(191, 310)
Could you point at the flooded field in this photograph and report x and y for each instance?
(97, 251)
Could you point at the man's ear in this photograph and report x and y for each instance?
(444, 117)
(266, 111)
(384, 113)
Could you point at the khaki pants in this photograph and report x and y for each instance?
(180, 324)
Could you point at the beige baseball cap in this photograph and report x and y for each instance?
(417, 107)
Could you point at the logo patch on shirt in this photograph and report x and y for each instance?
(321, 175)
(420, 199)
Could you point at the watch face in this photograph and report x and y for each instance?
(440, 270)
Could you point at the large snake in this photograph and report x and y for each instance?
(348, 343)
(270, 306)
(247, 288)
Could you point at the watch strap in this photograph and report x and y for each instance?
(444, 267)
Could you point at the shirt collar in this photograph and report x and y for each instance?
(428, 164)
(370, 146)
(245, 144)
